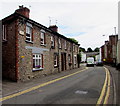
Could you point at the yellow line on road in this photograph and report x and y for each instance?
(103, 90)
(105, 87)
(39, 86)
(108, 89)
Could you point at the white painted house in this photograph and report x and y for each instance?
(83, 57)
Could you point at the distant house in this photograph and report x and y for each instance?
(109, 50)
(83, 57)
(118, 53)
(31, 50)
(91, 54)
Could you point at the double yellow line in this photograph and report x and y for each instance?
(39, 86)
(103, 99)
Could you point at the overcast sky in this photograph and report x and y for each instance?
(85, 20)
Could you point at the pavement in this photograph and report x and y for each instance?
(116, 81)
(10, 87)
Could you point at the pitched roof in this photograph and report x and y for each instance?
(16, 15)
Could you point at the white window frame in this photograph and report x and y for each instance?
(75, 59)
(52, 41)
(65, 44)
(38, 61)
(69, 58)
(4, 32)
(55, 60)
(60, 46)
(29, 32)
(42, 38)
(73, 47)
(70, 47)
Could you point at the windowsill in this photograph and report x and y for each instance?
(43, 45)
(29, 41)
(53, 47)
(37, 69)
(56, 66)
(4, 41)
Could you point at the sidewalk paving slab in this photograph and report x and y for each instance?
(116, 79)
(10, 87)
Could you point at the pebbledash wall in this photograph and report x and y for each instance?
(32, 50)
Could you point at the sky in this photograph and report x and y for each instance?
(85, 20)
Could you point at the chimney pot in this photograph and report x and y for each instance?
(23, 11)
(54, 28)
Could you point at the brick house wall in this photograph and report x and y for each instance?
(118, 52)
(22, 52)
(102, 53)
(110, 50)
(9, 51)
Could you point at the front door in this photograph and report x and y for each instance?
(63, 61)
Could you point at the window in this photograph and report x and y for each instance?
(42, 38)
(29, 32)
(75, 59)
(70, 47)
(55, 60)
(65, 44)
(4, 32)
(60, 43)
(37, 61)
(69, 59)
(52, 42)
(73, 47)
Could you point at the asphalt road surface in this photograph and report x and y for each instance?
(81, 88)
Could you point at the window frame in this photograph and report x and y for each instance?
(65, 45)
(55, 60)
(29, 32)
(60, 45)
(52, 41)
(42, 38)
(73, 47)
(4, 32)
(69, 59)
(38, 59)
(75, 59)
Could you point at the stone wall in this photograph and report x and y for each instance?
(20, 55)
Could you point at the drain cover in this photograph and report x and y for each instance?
(81, 92)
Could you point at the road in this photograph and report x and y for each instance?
(89, 86)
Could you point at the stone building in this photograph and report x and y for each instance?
(31, 50)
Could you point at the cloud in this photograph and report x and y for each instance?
(84, 20)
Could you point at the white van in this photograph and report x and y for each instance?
(90, 61)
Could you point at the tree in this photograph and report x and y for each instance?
(74, 40)
(81, 49)
(96, 49)
(89, 50)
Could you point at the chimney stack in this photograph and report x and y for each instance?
(54, 28)
(23, 11)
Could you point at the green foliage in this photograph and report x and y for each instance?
(81, 49)
(96, 49)
(74, 40)
(89, 50)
